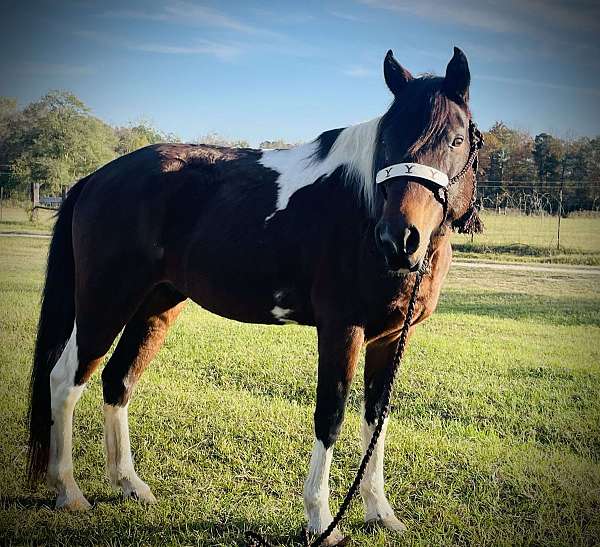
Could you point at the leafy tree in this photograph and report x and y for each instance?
(57, 141)
(507, 154)
(279, 144)
(8, 116)
(137, 136)
(213, 138)
(548, 152)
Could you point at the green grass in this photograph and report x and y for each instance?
(18, 219)
(512, 237)
(494, 439)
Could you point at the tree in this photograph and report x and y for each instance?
(507, 154)
(137, 136)
(57, 141)
(548, 152)
(8, 115)
(279, 144)
(214, 139)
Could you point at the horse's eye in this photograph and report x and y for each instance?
(458, 140)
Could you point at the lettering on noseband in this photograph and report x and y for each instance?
(409, 168)
(433, 173)
(387, 172)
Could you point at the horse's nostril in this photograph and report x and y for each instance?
(385, 242)
(411, 240)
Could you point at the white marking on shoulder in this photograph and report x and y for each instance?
(298, 166)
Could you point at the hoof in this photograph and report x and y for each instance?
(141, 493)
(74, 503)
(335, 538)
(389, 522)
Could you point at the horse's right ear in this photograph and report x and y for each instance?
(396, 76)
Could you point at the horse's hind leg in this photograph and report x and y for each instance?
(86, 347)
(67, 382)
(142, 338)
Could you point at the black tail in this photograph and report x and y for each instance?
(57, 317)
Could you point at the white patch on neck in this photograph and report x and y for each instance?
(298, 167)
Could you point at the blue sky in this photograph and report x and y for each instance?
(268, 70)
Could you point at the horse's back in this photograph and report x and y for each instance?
(168, 208)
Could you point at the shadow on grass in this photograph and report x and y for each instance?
(47, 502)
(209, 532)
(507, 305)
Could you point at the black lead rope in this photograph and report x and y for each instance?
(256, 540)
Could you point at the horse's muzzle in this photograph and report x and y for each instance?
(399, 247)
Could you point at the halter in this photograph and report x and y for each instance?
(438, 181)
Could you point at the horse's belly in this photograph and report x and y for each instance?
(251, 300)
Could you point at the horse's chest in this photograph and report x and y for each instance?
(390, 315)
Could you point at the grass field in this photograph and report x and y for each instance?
(494, 439)
(18, 219)
(523, 238)
(507, 238)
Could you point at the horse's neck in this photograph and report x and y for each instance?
(354, 149)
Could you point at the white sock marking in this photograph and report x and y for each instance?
(119, 460)
(371, 487)
(64, 396)
(298, 167)
(316, 489)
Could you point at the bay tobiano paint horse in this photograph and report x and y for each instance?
(324, 234)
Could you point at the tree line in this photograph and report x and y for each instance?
(56, 140)
(539, 173)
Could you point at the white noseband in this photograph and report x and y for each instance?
(410, 170)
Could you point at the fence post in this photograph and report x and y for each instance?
(1, 201)
(35, 193)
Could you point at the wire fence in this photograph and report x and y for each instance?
(524, 217)
(534, 197)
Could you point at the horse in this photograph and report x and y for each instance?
(325, 234)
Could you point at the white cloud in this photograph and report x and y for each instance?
(359, 71)
(190, 14)
(198, 47)
(511, 16)
(202, 47)
(346, 16)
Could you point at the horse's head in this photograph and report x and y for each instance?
(425, 140)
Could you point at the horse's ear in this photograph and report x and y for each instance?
(396, 76)
(458, 77)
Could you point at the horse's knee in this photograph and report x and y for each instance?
(114, 388)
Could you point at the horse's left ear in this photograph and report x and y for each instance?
(458, 77)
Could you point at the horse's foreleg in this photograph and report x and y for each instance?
(339, 350)
(142, 338)
(378, 359)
